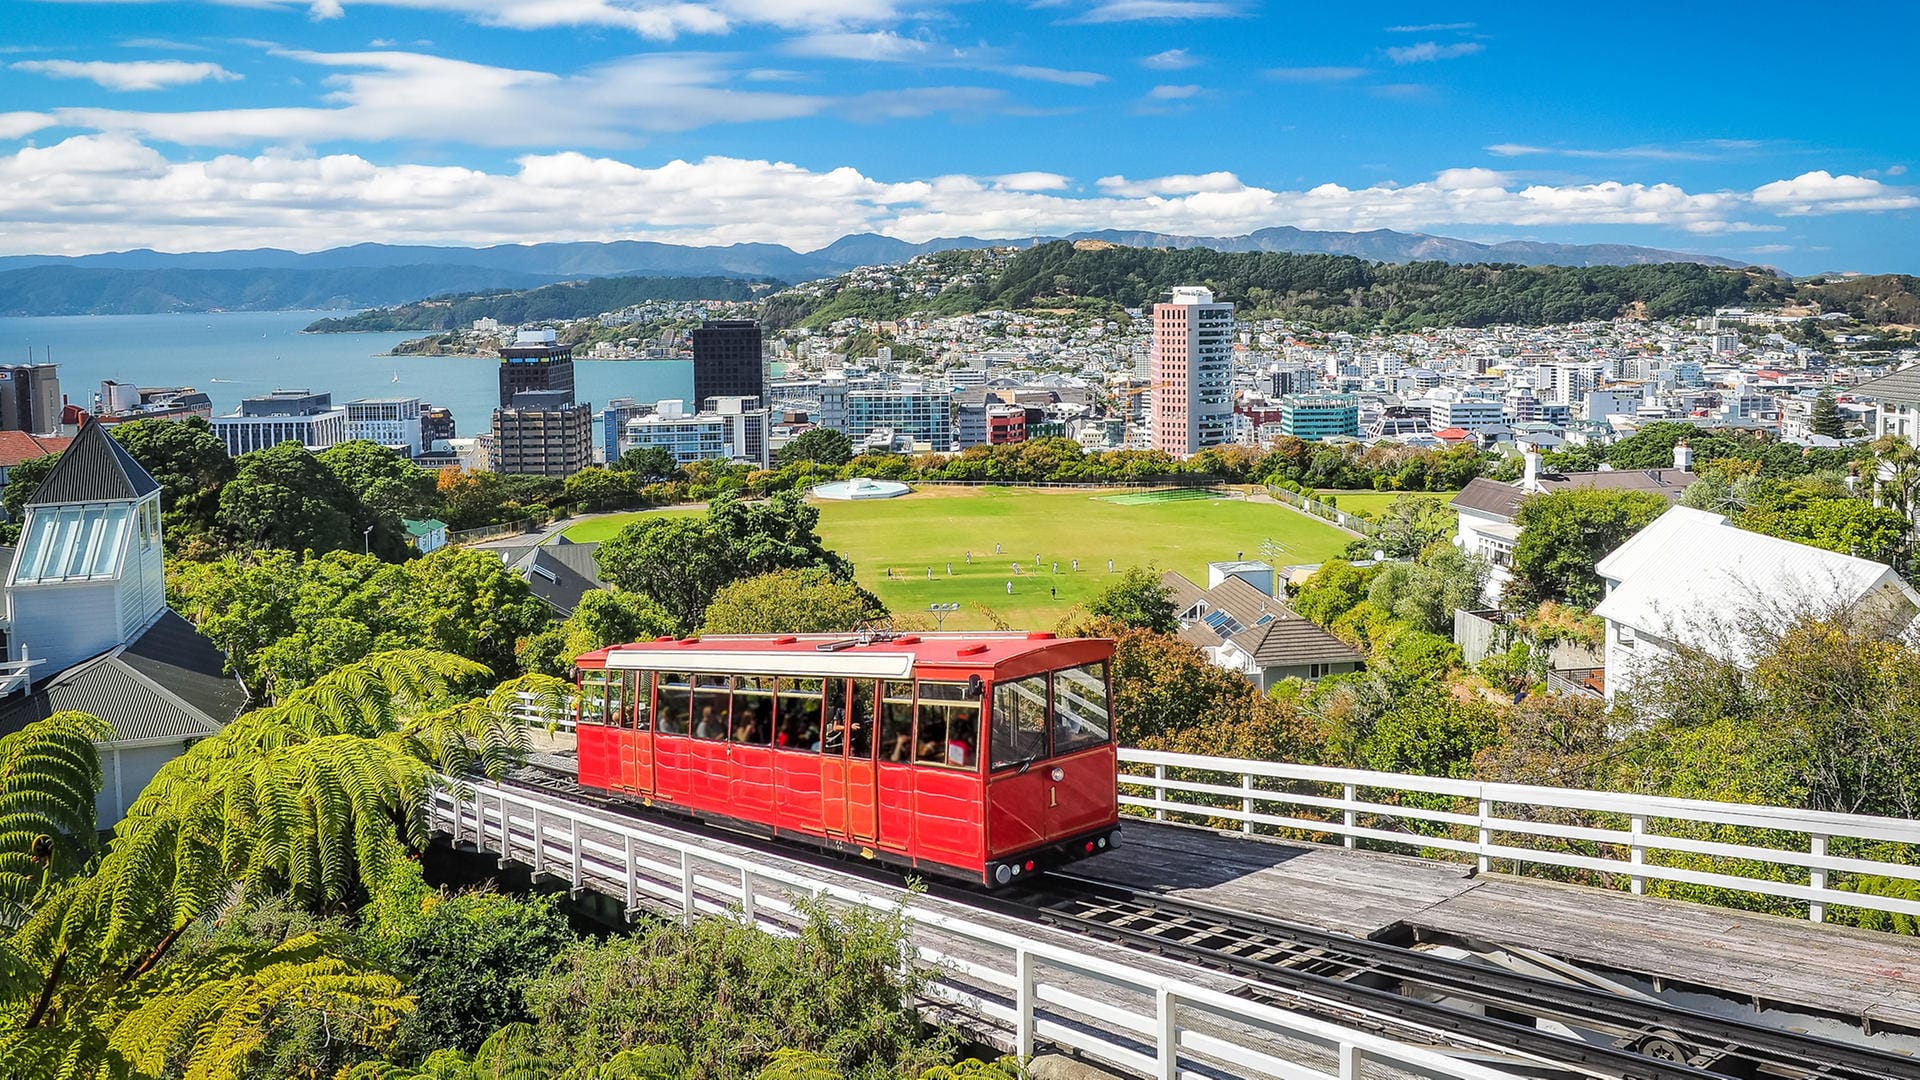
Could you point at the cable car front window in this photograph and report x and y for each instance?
(1082, 715)
(1019, 721)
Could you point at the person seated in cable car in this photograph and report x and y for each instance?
(901, 750)
(711, 726)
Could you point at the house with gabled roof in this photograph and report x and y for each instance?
(1243, 629)
(1692, 580)
(87, 627)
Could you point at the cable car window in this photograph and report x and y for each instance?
(753, 710)
(860, 720)
(595, 706)
(949, 731)
(1082, 716)
(834, 698)
(896, 722)
(799, 706)
(1019, 721)
(638, 689)
(675, 709)
(710, 703)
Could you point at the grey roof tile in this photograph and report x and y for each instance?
(94, 468)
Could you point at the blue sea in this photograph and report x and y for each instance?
(236, 354)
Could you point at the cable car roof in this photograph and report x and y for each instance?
(854, 655)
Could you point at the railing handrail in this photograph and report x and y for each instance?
(477, 808)
(1237, 801)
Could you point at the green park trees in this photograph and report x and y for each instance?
(1564, 533)
(682, 562)
(796, 601)
(1826, 418)
(820, 445)
(187, 459)
(1138, 599)
(284, 497)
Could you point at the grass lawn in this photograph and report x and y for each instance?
(594, 530)
(930, 528)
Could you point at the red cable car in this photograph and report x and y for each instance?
(986, 756)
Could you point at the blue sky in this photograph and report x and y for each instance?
(1758, 131)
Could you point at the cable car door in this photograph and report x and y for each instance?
(635, 714)
(848, 780)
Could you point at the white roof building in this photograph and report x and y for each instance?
(1692, 580)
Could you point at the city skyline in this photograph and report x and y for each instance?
(204, 126)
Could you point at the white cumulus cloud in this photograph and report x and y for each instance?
(1822, 192)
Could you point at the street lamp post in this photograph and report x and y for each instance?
(366, 537)
(940, 613)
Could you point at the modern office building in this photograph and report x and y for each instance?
(734, 430)
(728, 361)
(1006, 424)
(30, 398)
(1320, 416)
(300, 416)
(1191, 364)
(394, 423)
(535, 361)
(915, 413)
(613, 423)
(542, 433)
(436, 425)
(1473, 414)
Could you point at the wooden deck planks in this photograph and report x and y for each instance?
(1347, 892)
(1853, 973)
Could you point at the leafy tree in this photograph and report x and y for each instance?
(1163, 686)
(809, 601)
(601, 489)
(1411, 525)
(682, 562)
(1849, 526)
(821, 445)
(1137, 599)
(384, 480)
(648, 463)
(186, 458)
(1425, 594)
(284, 497)
(1826, 416)
(1564, 533)
(1333, 590)
(603, 617)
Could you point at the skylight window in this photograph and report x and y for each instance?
(72, 543)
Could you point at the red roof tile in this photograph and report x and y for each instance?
(18, 446)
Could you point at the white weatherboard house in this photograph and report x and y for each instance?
(88, 628)
(1693, 580)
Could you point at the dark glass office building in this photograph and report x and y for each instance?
(727, 361)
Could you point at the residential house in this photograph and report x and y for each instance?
(1693, 580)
(427, 536)
(1246, 630)
(18, 448)
(1487, 508)
(559, 573)
(88, 628)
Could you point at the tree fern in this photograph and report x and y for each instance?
(49, 777)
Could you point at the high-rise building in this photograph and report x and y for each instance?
(436, 425)
(392, 422)
(539, 429)
(735, 429)
(542, 433)
(911, 412)
(1191, 365)
(30, 398)
(1320, 416)
(727, 361)
(535, 361)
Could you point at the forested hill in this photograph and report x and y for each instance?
(1332, 291)
(90, 290)
(1877, 299)
(567, 300)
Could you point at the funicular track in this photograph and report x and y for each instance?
(1535, 1026)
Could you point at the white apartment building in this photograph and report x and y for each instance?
(1472, 414)
(315, 431)
(391, 422)
(914, 412)
(735, 431)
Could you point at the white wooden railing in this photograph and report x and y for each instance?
(1132, 1019)
(1492, 823)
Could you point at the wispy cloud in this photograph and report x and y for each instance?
(1429, 51)
(1314, 74)
(1703, 150)
(1430, 28)
(130, 74)
(1174, 93)
(1114, 11)
(1171, 60)
(886, 46)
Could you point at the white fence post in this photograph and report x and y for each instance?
(1349, 1061)
(1025, 1002)
(1486, 835)
(539, 845)
(746, 895)
(633, 879)
(687, 903)
(1352, 794)
(573, 839)
(1817, 877)
(1246, 803)
(1159, 793)
(1167, 1035)
(1637, 855)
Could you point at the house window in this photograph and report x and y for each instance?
(1625, 635)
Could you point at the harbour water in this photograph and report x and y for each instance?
(236, 354)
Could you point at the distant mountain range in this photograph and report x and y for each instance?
(374, 275)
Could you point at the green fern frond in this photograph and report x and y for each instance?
(49, 778)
